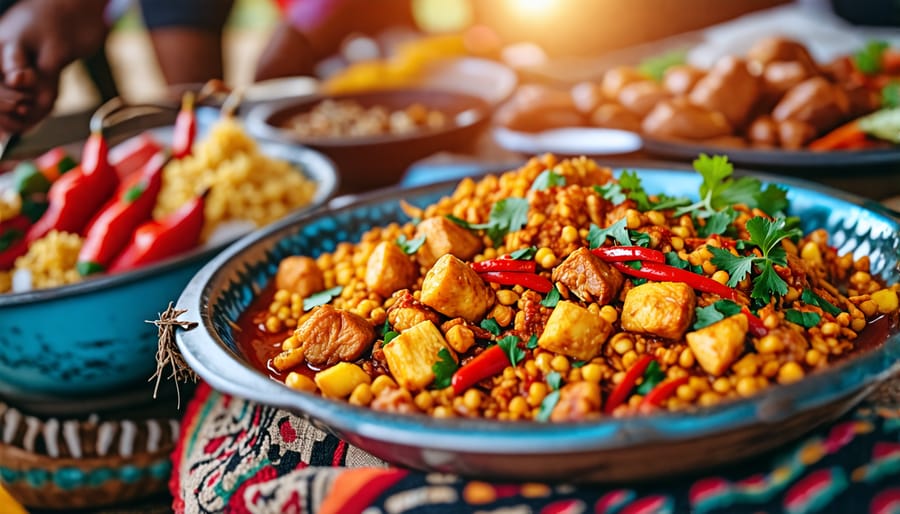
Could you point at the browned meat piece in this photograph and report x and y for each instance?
(299, 275)
(763, 131)
(641, 97)
(577, 401)
(679, 80)
(586, 96)
(729, 88)
(443, 237)
(535, 316)
(663, 309)
(574, 331)
(718, 345)
(389, 270)
(780, 76)
(591, 279)
(614, 116)
(774, 49)
(477, 331)
(678, 119)
(332, 335)
(452, 288)
(534, 108)
(862, 100)
(407, 312)
(794, 134)
(617, 78)
(394, 399)
(815, 101)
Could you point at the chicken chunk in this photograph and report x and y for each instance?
(663, 309)
(794, 134)
(780, 76)
(411, 355)
(617, 78)
(678, 119)
(574, 331)
(641, 97)
(452, 288)
(443, 237)
(333, 335)
(577, 401)
(728, 88)
(680, 79)
(389, 269)
(407, 312)
(763, 131)
(774, 49)
(718, 345)
(299, 275)
(614, 116)
(588, 277)
(815, 101)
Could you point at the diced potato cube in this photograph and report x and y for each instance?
(663, 309)
(460, 337)
(443, 237)
(718, 345)
(299, 275)
(411, 355)
(574, 331)
(300, 382)
(452, 288)
(389, 269)
(341, 379)
(886, 300)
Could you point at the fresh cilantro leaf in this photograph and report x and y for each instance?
(767, 235)
(532, 342)
(772, 200)
(554, 380)
(597, 236)
(727, 307)
(737, 267)
(890, 95)
(672, 259)
(547, 406)
(768, 284)
(491, 325)
(638, 281)
(411, 246)
(869, 59)
(742, 190)
(804, 319)
(579, 364)
(507, 215)
(459, 221)
(716, 312)
(718, 190)
(390, 336)
(652, 375)
(718, 223)
(811, 298)
(612, 192)
(510, 345)
(384, 329)
(546, 180)
(630, 181)
(639, 238)
(524, 254)
(444, 369)
(552, 298)
(669, 202)
(321, 298)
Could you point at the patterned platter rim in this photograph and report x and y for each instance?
(841, 386)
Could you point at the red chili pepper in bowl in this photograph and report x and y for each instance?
(661, 393)
(485, 365)
(111, 229)
(629, 253)
(511, 278)
(755, 324)
(665, 273)
(621, 391)
(185, 127)
(505, 265)
(157, 240)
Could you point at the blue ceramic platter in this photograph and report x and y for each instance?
(608, 449)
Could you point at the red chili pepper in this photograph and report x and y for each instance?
(663, 272)
(754, 323)
(504, 265)
(12, 240)
(485, 365)
(78, 194)
(109, 231)
(620, 393)
(157, 240)
(511, 278)
(628, 253)
(185, 127)
(660, 393)
(130, 156)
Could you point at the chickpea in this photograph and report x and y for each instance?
(656, 217)
(708, 399)
(381, 383)
(282, 295)
(770, 344)
(886, 300)
(545, 258)
(542, 361)
(507, 297)
(443, 412)
(536, 393)
(569, 234)
(632, 219)
(747, 386)
(560, 363)
(518, 406)
(721, 385)
(790, 372)
(361, 395)
(423, 401)
(472, 399)
(623, 345)
(592, 372)
(300, 382)
(609, 313)
(686, 393)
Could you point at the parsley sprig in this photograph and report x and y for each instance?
(766, 235)
(546, 180)
(630, 187)
(410, 246)
(715, 312)
(321, 298)
(719, 190)
(510, 345)
(554, 380)
(444, 369)
(869, 60)
(507, 215)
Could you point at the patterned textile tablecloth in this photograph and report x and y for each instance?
(239, 456)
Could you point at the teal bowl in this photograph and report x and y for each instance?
(608, 449)
(93, 339)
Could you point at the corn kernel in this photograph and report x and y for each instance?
(300, 382)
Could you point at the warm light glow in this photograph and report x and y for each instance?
(530, 7)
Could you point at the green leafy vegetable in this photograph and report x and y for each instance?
(507, 215)
(552, 298)
(811, 298)
(869, 59)
(390, 336)
(510, 345)
(718, 311)
(133, 193)
(524, 254)
(655, 67)
(672, 259)
(652, 375)
(804, 319)
(718, 190)
(546, 180)
(459, 221)
(883, 124)
(718, 223)
(597, 236)
(321, 298)
(554, 380)
(411, 246)
(491, 325)
(444, 369)
(579, 364)
(890, 95)
(532, 342)
(765, 235)
(612, 192)
(629, 181)
(88, 268)
(639, 238)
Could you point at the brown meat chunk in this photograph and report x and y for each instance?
(641, 97)
(815, 101)
(299, 275)
(794, 134)
(678, 119)
(718, 345)
(535, 107)
(577, 401)
(443, 237)
(574, 331)
(780, 76)
(407, 312)
(586, 96)
(593, 280)
(728, 88)
(663, 309)
(389, 269)
(763, 131)
(617, 78)
(614, 116)
(452, 288)
(774, 49)
(680, 79)
(332, 335)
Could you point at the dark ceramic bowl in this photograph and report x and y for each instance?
(607, 449)
(368, 162)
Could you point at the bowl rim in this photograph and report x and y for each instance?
(207, 354)
(257, 118)
(314, 165)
